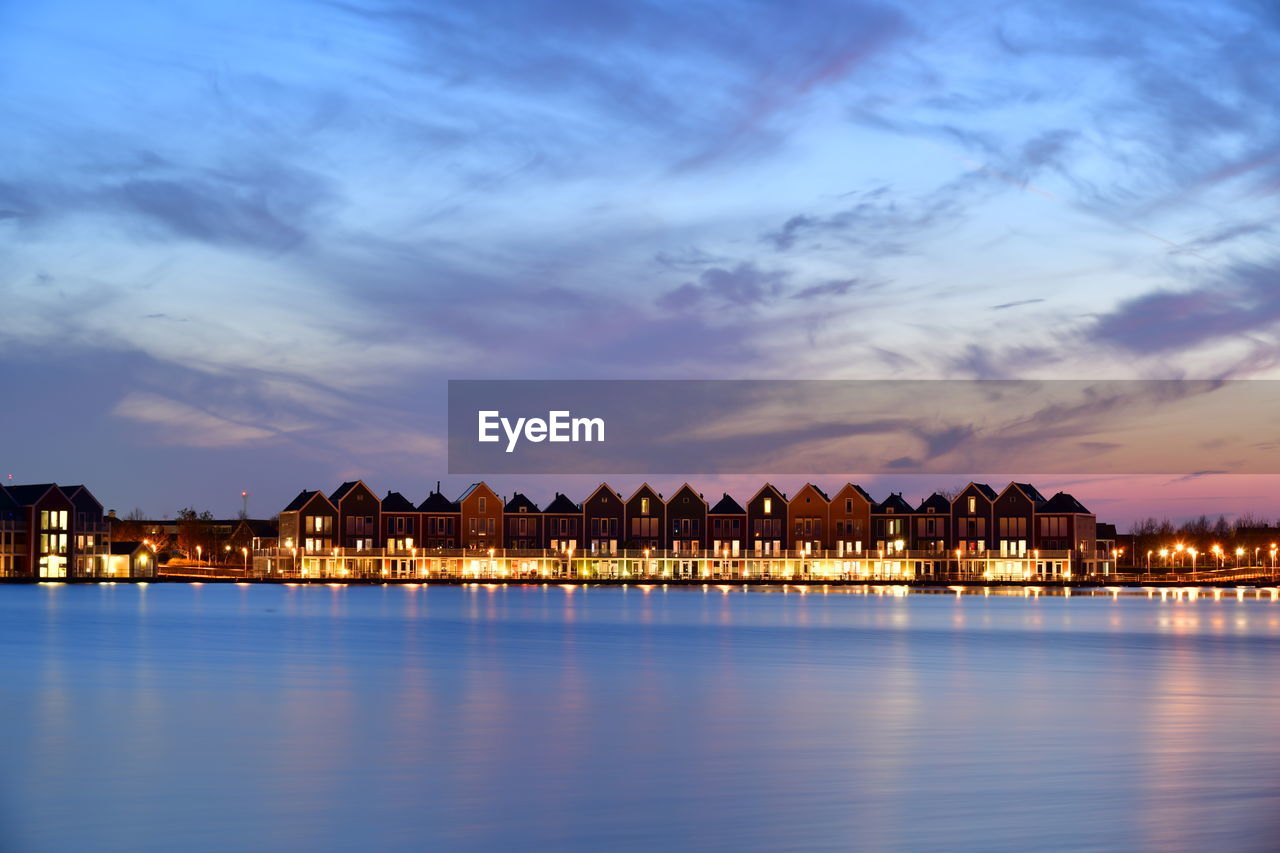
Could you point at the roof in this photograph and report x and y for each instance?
(437, 502)
(304, 497)
(28, 495)
(1030, 491)
(895, 502)
(938, 501)
(346, 489)
(1063, 502)
(986, 490)
(727, 506)
(691, 490)
(396, 502)
(611, 489)
(816, 489)
(263, 528)
(8, 505)
(78, 493)
(472, 488)
(126, 547)
(645, 487)
(519, 502)
(561, 505)
(1105, 531)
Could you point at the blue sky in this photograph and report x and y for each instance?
(245, 244)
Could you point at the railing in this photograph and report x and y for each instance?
(659, 565)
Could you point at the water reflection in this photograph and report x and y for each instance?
(580, 717)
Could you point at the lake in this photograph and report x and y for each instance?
(219, 717)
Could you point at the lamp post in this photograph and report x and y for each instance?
(199, 556)
(1239, 554)
(245, 553)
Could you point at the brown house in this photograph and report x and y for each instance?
(1014, 511)
(646, 520)
(603, 515)
(727, 522)
(931, 525)
(891, 524)
(687, 521)
(441, 521)
(309, 523)
(481, 518)
(808, 514)
(850, 520)
(92, 544)
(1062, 523)
(359, 516)
(251, 534)
(43, 533)
(521, 524)
(562, 525)
(767, 521)
(401, 523)
(971, 518)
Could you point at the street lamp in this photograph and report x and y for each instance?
(245, 552)
(199, 551)
(1239, 554)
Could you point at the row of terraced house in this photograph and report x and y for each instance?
(1014, 531)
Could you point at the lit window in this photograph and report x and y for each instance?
(973, 504)
(768, 506)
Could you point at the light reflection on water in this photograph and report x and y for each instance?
(229, 717)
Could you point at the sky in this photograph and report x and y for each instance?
(244, 245)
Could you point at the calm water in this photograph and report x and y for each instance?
(187, 717)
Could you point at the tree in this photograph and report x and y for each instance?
(195, 531)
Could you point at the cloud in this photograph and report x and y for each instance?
(1242, 299)
(743, 286)
(180, 423)
(1006, 305)
(830, 288)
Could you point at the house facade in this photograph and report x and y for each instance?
(521, 524)
(727, 527)
(767, 521)
(808, 516)
(562, 525)
(646, 520)
(481, 518)
(850, 520)
(603, 516)
(687, 521)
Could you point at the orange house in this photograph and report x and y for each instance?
(481, 518)
(850, 520)
(808, 520)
